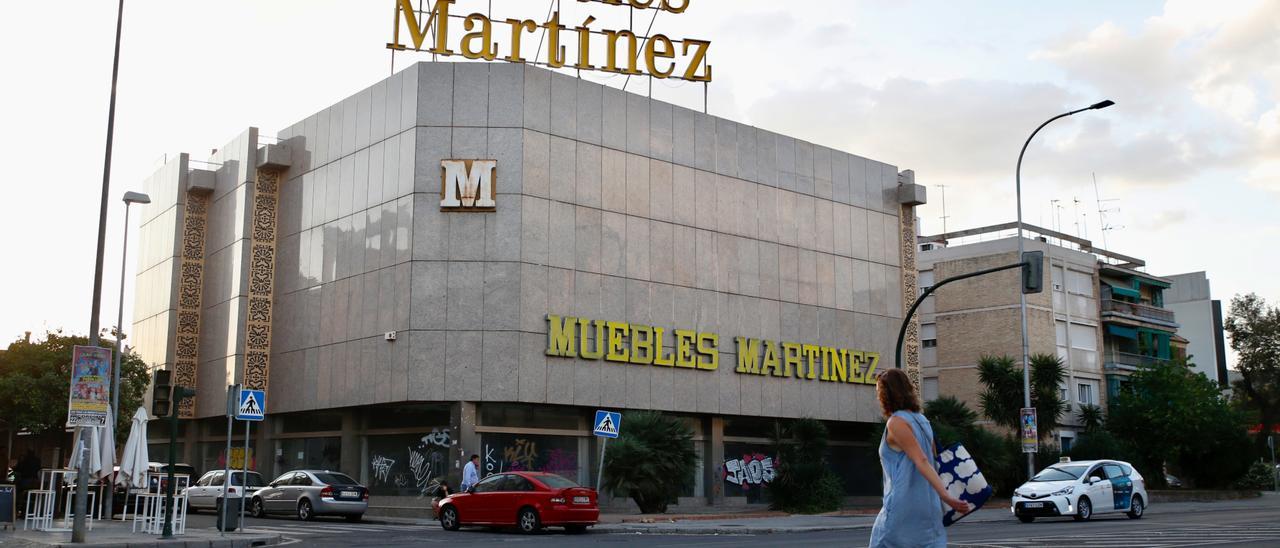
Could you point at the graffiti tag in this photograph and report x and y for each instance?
(752, 469)
(382, 467)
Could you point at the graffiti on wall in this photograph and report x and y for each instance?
(505, 453)
(751, 469)
(409, 466)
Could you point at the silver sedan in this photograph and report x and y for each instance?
(311, 493)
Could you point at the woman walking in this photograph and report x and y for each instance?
(911, 514)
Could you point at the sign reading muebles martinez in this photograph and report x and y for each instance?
(622, 342)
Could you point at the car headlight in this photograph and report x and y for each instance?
(1064, 491)
(1019, 493)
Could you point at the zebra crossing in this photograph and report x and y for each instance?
(1171, 537)
(305, 530)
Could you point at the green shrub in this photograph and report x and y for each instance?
(651, 461)
(1260, 476)
(804, 483)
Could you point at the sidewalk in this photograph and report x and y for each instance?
(117, 534)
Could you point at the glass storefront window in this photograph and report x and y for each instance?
(555, 454)
(213, 455)
(529, 416)
(408, 465)
(311, 421)
(408, 416)
(748, 469)
(309, 454)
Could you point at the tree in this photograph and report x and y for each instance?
(1001, 399)
(35, 378)
(804, 482)
(1091, 418)
(997, 456)
(1172, 415)
(1255, 336)
(651, 461)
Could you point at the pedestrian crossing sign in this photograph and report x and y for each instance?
(253, 405)
(607, 423)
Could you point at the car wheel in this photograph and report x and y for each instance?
(353, 518)
(255, 508)
(1136, 508)
(1084, 510)
(528, 520)
(449, 518)
(575, 529)
(1026, 519)
(305, 511)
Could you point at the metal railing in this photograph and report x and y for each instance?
(1138, 310)
(1133, 360)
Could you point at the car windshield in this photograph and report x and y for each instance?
(254, 479)
(556, 482)
(334, 478)
(1060, 473)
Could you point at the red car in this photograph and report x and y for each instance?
(527, 500)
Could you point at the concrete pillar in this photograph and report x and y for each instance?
(190, 444)
(264, 450)
(463, 420)
(349, 456)
(714, 469)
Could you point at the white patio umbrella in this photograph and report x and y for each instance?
(92, 436)
(133, 463)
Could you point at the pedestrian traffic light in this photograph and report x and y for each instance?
(162, 403)
(1032, 271)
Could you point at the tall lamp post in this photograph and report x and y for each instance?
(1022, 304)
(130, 198)
(82, 479)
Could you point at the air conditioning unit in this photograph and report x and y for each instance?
(390, 336)
(1057, 287)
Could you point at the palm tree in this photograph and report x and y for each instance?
(1091, 418)
(1002, 398)
(651, 461)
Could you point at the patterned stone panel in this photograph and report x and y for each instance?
(910, 290)
(262, 261)
(190, 287)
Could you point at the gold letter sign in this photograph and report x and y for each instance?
(467, 185)
(659, 57)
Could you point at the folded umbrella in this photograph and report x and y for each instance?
(133, 463)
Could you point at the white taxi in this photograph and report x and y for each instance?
(1081, 489)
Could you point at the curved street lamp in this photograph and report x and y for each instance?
(1022, 305)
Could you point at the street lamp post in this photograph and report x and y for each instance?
(1022, 296)
(78, 526)
(130, 198)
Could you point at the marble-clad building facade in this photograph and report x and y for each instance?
(393, 327)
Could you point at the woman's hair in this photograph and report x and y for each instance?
(896, 392)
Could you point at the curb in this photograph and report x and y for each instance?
(246, 542)
(727, 531)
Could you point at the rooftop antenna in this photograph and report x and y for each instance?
(1055, 217)
(1075, 214)
(944, 207)
(1102, 213)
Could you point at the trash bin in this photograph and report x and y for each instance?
(230, 507)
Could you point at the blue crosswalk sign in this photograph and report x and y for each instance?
(607, 424)
(253, 405)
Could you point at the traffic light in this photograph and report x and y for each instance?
(162, 404)
(1032, 272)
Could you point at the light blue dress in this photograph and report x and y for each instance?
(912, 511)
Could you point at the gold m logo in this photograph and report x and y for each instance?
(467, 184)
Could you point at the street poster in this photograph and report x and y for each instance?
(1030, 439)
(90, 401)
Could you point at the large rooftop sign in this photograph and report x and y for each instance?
(581, 47)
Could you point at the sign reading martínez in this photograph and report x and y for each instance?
(624, 342)
(661, 54)
(467, 185)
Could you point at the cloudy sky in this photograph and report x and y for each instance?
(1188, 160)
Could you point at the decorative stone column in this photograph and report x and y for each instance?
(262, 267)
(190, 289)
(910, 195)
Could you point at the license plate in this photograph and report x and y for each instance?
(582, 500)
(1034, 505)
(351, 494)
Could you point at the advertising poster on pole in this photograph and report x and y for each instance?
(1030, 438)
(90, 401)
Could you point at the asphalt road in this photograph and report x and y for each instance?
(1220, 524)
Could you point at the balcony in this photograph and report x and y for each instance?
(1141, 312)
(1125, 361)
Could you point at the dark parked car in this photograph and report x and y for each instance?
(311, 493)
(527, 500)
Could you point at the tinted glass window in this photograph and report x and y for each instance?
(491, 483)
(204, 480)
(1114, 471)
(1128, 470)
(1059, 473)
(255, 480)
(301, 478)
(556, 482)
(1097, 471)
(283, 479)
(517, 483)
(334, 478)
(216, 479)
